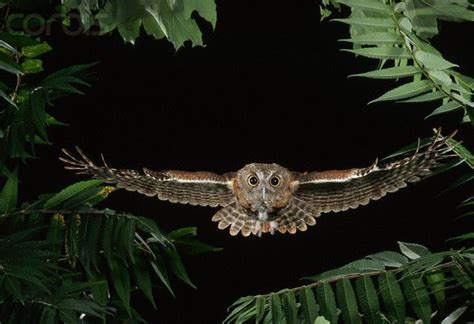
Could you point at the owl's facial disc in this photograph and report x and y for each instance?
(263, 189)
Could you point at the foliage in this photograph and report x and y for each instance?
(387, 286)
(24, 120)
(72, 258)
(397, 35)
(61, 258)
(159, 18)
(390, 286)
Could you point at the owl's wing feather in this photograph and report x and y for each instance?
(195, 188)
(339, 190)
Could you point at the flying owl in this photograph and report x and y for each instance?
(266, 198)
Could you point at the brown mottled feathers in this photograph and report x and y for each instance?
(296, 216)
(340, 190)
(195, 188)
(287, 206)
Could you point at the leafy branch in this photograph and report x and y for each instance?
(388, 32)
(120, 251)
(415, 276)
(160, 19)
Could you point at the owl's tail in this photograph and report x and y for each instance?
(296, 216)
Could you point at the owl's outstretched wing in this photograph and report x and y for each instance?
(195, 188)
(339, 190)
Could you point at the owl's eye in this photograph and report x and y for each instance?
(253, 180)
(275, 181)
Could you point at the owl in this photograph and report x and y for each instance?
(268, 198)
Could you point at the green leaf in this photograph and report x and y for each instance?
(260, 308)
(321, 320)
(152, 27)
(8, 47)
(238, 307)
(13, 287)
(277, 312)
(121, 280)
(308, 304)
(108, 242)
(436, 282)
(174, 24)
(92, 231)
(291, 311)
(71, 242)
(406, 90)
(381, 52)
(413, 251)
(347, 301)
(390, 258)
(56, 233)
(375, 38)
(8, 99)
(9, 194)
(9, 65)
(18, 40)
(447, 107)
(327, 302)
(392, 296)
(390, 73)
(70, 192)
(176, 264)
(368, 22)
(418, 298)
(81, 306)
(181, 232)
(367, 5)
(32, 66)
(368, 300)
(48, 315)
(433, 61)
(367, 265)
(130, 30)
(454, 316)
(331, 274)
(35, 50)
(431, 96)
(440, 76)
(100, 292)
(143, 280)
(128, 238)
(160, 271)
(205, 8)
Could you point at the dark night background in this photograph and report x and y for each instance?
(270, 86)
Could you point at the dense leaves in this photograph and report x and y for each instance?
(400, 290)
(397, 35)
(159, 18)
(109, 252)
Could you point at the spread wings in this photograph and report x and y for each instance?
(195, 188)
(340, 190)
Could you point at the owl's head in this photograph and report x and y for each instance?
(263, 189)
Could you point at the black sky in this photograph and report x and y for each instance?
(270, 86)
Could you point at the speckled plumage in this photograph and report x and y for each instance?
(268, 198)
